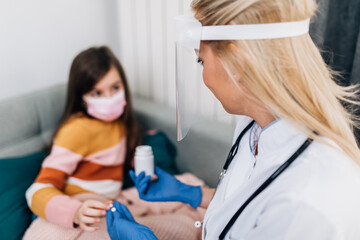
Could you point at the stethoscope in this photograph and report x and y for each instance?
(231, 155)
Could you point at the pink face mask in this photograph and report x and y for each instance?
(106, 109)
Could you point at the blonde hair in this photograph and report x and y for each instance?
(288, 75)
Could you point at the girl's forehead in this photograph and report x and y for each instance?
(111, 78)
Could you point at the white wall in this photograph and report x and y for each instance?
(39, 39)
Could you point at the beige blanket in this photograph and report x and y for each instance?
(168, 220)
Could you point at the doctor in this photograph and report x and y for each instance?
(293, 170)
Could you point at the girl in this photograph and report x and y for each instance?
(93, 145)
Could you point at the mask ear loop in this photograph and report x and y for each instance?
(84, 106)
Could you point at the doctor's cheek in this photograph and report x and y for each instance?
(209, 80)
(207, 84)
(206, 78)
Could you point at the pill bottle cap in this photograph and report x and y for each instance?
(143, 150)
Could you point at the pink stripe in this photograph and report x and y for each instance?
(62, 159)
(61, 210)
(110, 157)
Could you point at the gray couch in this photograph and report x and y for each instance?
(27, 123)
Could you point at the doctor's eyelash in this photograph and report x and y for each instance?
(198, 60)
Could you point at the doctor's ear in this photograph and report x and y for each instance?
(235, 58)
(233, 47)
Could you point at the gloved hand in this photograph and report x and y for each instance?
(122, 226)
(166, 188)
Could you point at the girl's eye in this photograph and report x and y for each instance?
(115, 88)
(96, 94)
(199, 61)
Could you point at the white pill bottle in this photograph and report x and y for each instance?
(144, 160)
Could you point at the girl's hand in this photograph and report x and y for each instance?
(90, 213)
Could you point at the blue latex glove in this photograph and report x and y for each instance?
(122, 226)
(166, 188)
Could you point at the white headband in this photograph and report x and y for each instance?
(190, 31)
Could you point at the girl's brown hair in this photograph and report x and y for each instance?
(86, 70)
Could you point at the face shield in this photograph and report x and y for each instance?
(189, 33)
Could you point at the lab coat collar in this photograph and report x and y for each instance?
(275, 136)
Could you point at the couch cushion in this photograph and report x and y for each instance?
(17, 174)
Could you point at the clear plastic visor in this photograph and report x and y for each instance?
(188, 80)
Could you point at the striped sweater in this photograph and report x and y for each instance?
(87, 156)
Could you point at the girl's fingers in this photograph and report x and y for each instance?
(87, 228)
(96, 204)
(89, 220)
(94, 212)
(109, 203)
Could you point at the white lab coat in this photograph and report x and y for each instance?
(317, 197)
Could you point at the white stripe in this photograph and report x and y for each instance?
(109, 188)
(34, 188)
(255, 31)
